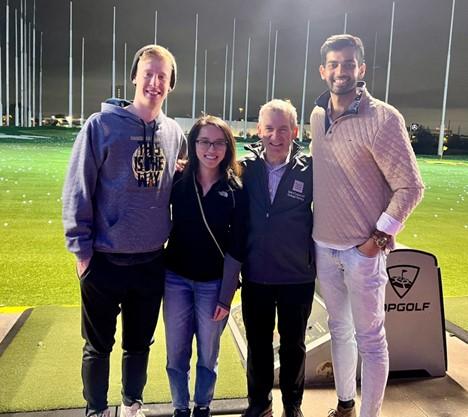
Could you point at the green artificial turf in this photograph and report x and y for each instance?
(41, 367)
(456, 311)
(440, 223)
(35, 269)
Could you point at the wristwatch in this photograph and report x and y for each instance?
(381, 239)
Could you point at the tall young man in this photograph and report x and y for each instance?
(366, 183)
(116, 219)
(279, 270)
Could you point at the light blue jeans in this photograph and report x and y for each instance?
(353, 288)
(188, 311)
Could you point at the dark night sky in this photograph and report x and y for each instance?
(418, 60)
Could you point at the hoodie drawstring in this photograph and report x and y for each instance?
(144, 143)
(149, 158)
(155, 128)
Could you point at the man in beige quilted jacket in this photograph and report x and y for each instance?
(366, 184)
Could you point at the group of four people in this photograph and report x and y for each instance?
(129, 190)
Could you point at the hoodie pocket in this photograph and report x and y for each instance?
(140, 229)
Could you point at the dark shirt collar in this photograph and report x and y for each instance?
(324, 101)
(257, 149)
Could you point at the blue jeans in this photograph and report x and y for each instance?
(353, 287)
(188, 311)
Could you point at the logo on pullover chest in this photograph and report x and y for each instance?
(297, 190)
(148, 163)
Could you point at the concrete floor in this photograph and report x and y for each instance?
(6, 323)
(430, 397)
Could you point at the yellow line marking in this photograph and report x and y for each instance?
(452, 163)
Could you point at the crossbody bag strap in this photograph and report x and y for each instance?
(204, 218)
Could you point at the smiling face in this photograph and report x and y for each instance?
(210, 147)
(341, 71)
(277, 133)
(152, 82)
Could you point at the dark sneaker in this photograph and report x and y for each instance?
(104, 413)
(258, 411)
(201, 412)
(185, 412)
(342, 412)
(292, 411)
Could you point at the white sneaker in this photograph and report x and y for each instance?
(133, 411)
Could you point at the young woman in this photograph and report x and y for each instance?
(202, 259)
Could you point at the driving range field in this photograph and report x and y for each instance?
(35, 268)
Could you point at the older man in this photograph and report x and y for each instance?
(279, 271)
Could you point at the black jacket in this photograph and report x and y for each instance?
(279, 243)
(191, 251)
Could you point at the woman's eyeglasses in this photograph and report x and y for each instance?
(217, 145)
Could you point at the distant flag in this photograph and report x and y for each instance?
(125, 71)
(40, 83)
(34, 66)
(440, 148)
(268, 63)
(389, 65)
(274, 67)
(1, 83)
(7, 64)
(232, 70)
(304, 82)
(155, 27)
(204, 84)
(225, 81)
(17, 116)
(70, 71)
(82, 81)
(113, 54)
(194, 92)
(246, 113)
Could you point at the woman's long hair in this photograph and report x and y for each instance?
(228, 166)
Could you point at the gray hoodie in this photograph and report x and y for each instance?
(117, 190)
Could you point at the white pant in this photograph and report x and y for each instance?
(353, 287)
